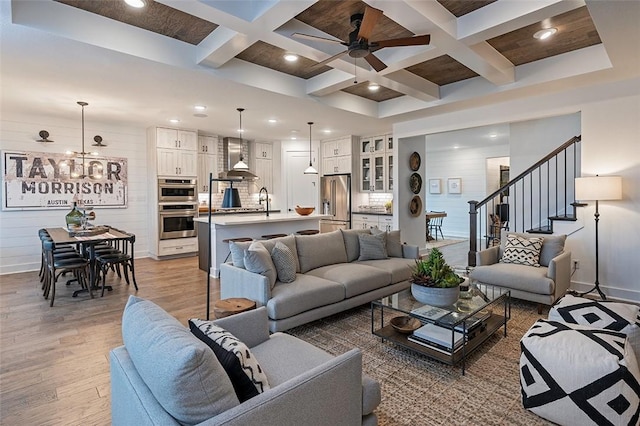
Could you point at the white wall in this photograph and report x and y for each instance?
(19, 244)
(610, 122)
(413, 229)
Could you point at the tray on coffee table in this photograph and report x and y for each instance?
(465, 325)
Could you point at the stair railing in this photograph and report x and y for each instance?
(542, 193)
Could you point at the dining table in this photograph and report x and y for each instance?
(430, 215)
(61, 236)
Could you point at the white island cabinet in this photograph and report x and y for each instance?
(253, 226)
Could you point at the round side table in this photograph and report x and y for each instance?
(225, 307)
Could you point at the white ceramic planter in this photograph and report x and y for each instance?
(435, 296)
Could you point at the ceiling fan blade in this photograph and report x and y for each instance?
(330, 59)
(371, 16)
(317, 38)
(404, 41)
(376, 63)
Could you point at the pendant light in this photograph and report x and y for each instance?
(82, 153)
(310, 170)
(240, 165)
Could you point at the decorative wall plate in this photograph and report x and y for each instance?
(415, 206)
(415, 183)
(414, 161)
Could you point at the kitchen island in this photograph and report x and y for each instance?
(246, 225)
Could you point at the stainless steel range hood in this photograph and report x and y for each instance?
(232, 151)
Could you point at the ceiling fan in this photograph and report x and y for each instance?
(359, 45)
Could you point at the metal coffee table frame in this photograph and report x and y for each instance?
(496, 299)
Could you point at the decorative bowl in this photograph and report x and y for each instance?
(405, 324)
(304, 211)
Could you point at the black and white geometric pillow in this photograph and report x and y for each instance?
(241, 366)
(577, 375)
(522, 251)
(615, 316)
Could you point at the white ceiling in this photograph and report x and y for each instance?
(53, 55)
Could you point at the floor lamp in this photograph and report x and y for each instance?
(598, 188)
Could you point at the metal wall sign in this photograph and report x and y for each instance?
(38, 180)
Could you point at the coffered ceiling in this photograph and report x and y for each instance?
(477, 49)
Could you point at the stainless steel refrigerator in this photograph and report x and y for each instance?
(335, 193)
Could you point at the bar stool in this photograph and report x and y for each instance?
(308, 232)
(235, 240)
(271, 236)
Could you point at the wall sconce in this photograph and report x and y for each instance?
(44, 136)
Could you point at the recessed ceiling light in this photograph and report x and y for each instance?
(293, 138)
(174, 120)
(200, 107)
(493, 136)
(273, 120)
(456, 147)
(545, 33)
(373, 87)
(136, 3)
(290, 57)
(327, 131)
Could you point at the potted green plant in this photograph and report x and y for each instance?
(433, 282)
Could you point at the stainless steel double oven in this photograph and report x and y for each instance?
(177, 208)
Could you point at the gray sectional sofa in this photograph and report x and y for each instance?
(334, 271)
(165, 375)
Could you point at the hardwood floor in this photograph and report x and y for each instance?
(54, 367)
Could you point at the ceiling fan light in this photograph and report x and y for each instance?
(136, 3)
(545, 33)
(290, 57)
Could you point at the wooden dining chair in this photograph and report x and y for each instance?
(435, 226)
(77, 265)
(121, 254)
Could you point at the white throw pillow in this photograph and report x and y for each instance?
(522, 251)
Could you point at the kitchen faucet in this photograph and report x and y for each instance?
(267, 198)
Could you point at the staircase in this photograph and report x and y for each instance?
(531, 202)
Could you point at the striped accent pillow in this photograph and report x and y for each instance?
(372, 247)
(242, 367)
(522, 251)
(285, 263)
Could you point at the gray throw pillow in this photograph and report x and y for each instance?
(257, 259)
(284, 262)
(393, 244)
(181, 372)
(372, 247)
(289, 241)
(351, 242)
(552, 246)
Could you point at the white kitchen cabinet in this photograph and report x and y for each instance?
(361, 221)
(207, 164)
(207, 144)
(177, 162)
(262, 166)
(372, 173)
(177, 246)
(336, 155)
(264, 150)
(365, 221)
(176, 139)
(388, 187)
(373, 144)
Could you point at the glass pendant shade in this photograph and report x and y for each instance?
(310, 170)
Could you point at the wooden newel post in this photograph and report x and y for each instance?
(473, 232)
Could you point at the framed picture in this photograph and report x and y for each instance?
(455, 185)
(434, 186)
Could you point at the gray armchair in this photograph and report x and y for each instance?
(544, 284)
(308, 385)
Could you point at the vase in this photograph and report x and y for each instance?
(435, 296)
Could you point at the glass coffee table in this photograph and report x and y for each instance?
(447, 334)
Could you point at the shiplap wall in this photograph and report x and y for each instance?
(470, 165)
(19, 244)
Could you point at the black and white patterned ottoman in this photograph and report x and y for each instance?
(577, 375)
(614, 316)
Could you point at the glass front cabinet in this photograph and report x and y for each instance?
(376, 164)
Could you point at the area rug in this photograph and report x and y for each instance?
(419, 391)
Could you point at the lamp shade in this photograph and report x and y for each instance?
(599, 188)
